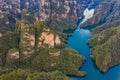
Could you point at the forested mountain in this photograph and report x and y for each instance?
(106, 48)
(59, 14)
(39, 50)
(33, 45)
(105, 40)
(107, 11)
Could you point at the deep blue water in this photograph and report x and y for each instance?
(78, 42)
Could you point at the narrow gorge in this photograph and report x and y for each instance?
(78, 41)
(59, 39)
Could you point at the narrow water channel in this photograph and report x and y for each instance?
(78, 41)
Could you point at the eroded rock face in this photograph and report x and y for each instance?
(0, 34)
(53, 12)
(27, 40)
(13, 54)
(106, 11)
(44, 13)
(32, 6)
(9, 13)
(57, 14)
(48, 39)
(57, 40)
(36, 36)
(61, 14)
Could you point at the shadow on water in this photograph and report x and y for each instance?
(72, 30)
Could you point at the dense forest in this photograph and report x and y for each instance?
(33, 42)
(105, 44)
(29, 51)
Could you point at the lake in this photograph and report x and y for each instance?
(78, 41)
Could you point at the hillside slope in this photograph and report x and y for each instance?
(37, 48)
(59, 14)
(105, 48)
(106, 11)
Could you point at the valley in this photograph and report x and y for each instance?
(59, 39)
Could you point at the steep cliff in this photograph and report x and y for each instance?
(9, 13)
(62, 14)
(106, 11)
(57, 14)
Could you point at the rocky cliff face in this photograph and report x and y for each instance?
(27, 39)
(57, 14)
(36, 36)
(62, 14)
(106, 11)
(31, 6)
(9, 13)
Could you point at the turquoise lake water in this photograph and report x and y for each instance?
(78, 41)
